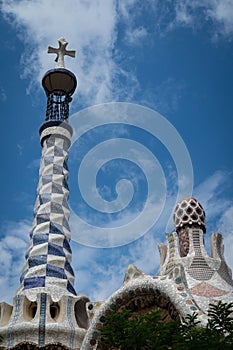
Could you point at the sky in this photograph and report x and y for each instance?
(152, 120)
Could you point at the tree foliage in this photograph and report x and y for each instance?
(127, 331)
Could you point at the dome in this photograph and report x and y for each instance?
(189, 212)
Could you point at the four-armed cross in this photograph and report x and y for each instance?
(61, 52)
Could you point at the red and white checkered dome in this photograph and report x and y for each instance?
(189, 212)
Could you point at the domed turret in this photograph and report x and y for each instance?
(189, 213)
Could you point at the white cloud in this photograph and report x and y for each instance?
(34, 164)
(210, 194)
(225, 226)
(89, 26)
(226, 221)
(102, 271)
(135, 36)
(222, 13)
(99, 272)
(3, 96)
(124, 8)
(13, 247)
(106, 268)
(196, 13)
(20, 149)
(182, 15)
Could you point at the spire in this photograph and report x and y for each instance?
(59, 84)
(49, 255)
(46, 311)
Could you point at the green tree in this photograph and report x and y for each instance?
(126, 331)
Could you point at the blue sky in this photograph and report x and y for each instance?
(174, 57)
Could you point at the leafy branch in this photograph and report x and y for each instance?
(127, 331)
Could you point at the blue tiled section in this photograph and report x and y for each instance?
(46, 179)
(23, 275)
(65, 166)
(65, 203)
(54, 249)
(43, 299)
(69, 268)
(66, 245)
(40, 238)
(70, 288)
(46, 197)
(48, 160)
(28, 253)
(65, 184)
(41, 218)
(48, 255)
(55, 229)
(66, 143)
(58, 152)
(65, 224)
(37, 260)
(54, 271)
(57, 169)
(31, 232)
(34, 282)
(56, 188)
(50, 141)
(56, 208)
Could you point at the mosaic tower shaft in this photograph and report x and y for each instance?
(46, 312)
(49, 255)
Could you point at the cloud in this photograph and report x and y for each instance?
(210, 193)
(93, 27)
(124, 8)
(222, 12)
(3, 96)
(89, 26)
(99, 272)
(13, 247)
(34, 164)
(106, 269)
(218, 14)
(135, 36)
(20, 149)
(102, 271)
(225, 226)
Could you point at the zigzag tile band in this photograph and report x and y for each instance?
(48, 256)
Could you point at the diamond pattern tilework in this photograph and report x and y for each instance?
(34, 282)
(199, 269)
(48, 256)
(37, 260)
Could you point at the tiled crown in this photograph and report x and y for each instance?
(189, 212)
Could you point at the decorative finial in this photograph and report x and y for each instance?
(61, 52)
(189, 212)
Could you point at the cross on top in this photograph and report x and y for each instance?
(61, 52)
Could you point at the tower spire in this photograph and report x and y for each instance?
(59, 84)
(49, 255)
(46, 310)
